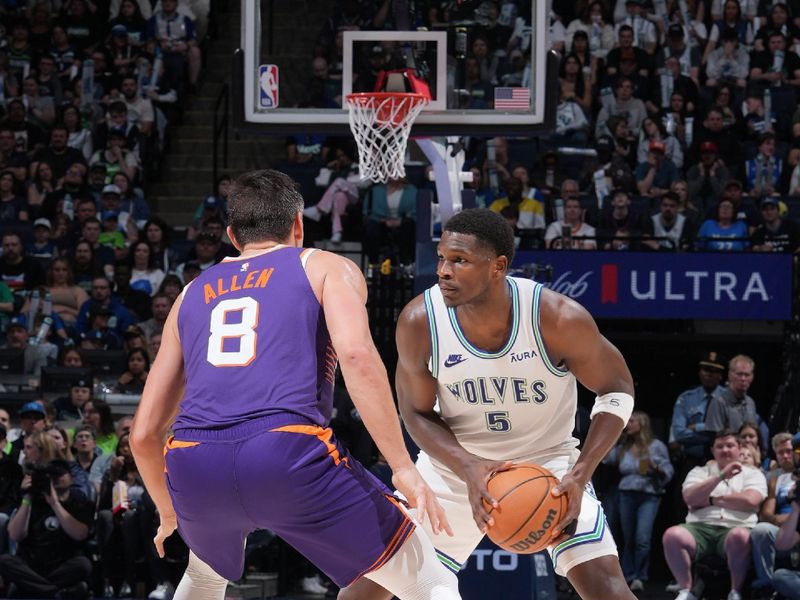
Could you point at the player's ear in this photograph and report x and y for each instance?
(298, 230)
(233, 239)
(501, 266)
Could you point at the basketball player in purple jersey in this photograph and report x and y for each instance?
(244, 378)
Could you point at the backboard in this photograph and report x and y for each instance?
(485, 63)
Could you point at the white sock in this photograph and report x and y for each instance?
(200, 582)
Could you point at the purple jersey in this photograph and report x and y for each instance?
(254, 344)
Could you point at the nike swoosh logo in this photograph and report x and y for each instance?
(453, 363)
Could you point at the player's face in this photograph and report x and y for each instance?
(465, 268)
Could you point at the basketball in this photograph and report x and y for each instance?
(527, 510)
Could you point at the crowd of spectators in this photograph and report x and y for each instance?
(731, 510)
(88, 90)
(677, 126)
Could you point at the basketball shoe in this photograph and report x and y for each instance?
(313, 585)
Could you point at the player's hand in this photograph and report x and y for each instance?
(168, 524)
(420, 496)
(573, 488)
(731, 470)
(476, 475)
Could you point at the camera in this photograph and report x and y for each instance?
(41, 476)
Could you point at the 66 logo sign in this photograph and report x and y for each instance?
(268, 86)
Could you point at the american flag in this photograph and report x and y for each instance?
(512, 98)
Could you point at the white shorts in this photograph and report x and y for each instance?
(592, 538)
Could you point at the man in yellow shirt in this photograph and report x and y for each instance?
(529, 212)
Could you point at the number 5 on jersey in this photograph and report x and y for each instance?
(498, 421)
(243, 330)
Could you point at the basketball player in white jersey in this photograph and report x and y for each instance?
(501, 357)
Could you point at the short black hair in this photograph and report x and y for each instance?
(723, 433)
(262, 206)
(490, 228)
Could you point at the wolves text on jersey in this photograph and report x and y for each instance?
(498, 390)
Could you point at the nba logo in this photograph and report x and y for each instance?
(268, 86)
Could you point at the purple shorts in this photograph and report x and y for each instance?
(290, 476)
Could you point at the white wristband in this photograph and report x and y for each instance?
(616, 403)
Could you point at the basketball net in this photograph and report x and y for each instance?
(381, 122)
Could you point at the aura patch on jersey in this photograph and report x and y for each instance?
(498, 390)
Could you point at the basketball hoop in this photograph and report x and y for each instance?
(381, 122)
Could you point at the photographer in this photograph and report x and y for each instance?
(787, 581)
(49, 526)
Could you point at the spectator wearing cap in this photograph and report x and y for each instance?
(18, 271)
(215, 205)
(32, 418)
(727, 140)
(729, 63)
(101, 297)
(706, 179)
(775, 65)
(688, 56)
(216, 227)
(763, 173)
(644, 32)
(124, 54)
(116, 157)
(111, 236)
(68, 408)
(42, 247)
(58, 154)
(688, 435)
(775, 234)
(13, 207)
(656, 174)
(654, 129)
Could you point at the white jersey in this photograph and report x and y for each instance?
(513, 404)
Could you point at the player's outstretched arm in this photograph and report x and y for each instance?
(154, 416)
(416, 394)
(343, 297)
(571, 336)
